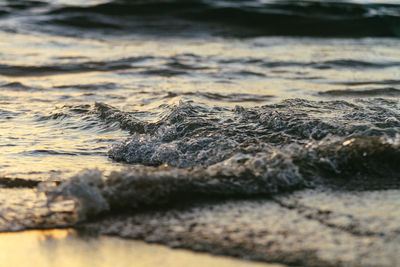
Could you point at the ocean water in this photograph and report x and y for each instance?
(153, 102)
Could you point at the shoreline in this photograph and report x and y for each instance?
(65, 247)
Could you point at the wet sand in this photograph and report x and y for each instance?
(313, 227)
(305, 228)
(64, 247)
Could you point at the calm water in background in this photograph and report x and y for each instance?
(143, 62)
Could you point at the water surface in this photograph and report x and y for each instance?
(198, 99)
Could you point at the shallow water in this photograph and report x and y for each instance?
(66, 248)
(200, 99)
(50, 84)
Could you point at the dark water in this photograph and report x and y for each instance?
(184, 100)
(243, 18)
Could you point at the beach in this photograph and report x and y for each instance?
(63, 247)
(252, 132)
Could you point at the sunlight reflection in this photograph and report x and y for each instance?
(63, 247)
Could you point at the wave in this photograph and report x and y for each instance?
(38, 152)
(31, 70)
(194, 135)
(9, 115)
(174, 66)
(240, 98)
(195, 153)
(244, 18)
(88, 87)
(380, 82)
(345, 63)
(17, 86)
(390, 91)
(357, 163)
(10, 7)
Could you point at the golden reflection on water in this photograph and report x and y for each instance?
(221, 67)
(64, 248)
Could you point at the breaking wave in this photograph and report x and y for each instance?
(197, 135)
(195, 152)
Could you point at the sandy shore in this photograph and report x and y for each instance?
(66, 248)
(312, 227)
